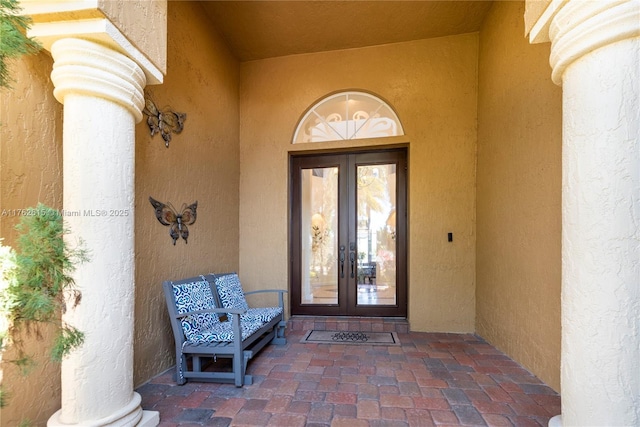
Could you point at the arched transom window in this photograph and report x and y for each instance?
(348, 115)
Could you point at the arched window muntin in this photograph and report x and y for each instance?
(347, 115)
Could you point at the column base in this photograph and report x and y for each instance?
(130, 416)
(149, 419)
(556, 421)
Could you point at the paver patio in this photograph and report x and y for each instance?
(431, 379)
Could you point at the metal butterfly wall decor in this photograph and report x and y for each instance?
(177, 222)
(163, 122)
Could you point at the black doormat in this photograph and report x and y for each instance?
(350, 337)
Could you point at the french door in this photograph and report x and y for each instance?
(348, 234)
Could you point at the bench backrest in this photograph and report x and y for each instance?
(190, 295)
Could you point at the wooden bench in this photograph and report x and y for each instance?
(211, 319)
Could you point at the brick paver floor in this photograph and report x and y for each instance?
(432, 379)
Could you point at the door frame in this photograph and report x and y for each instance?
(402, 285)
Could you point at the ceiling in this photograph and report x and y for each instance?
(262, 29)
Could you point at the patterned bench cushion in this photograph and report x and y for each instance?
(230, 291)
(262, 314)
(206, 327)
(195, 296)
(232, 296)
(223, 332)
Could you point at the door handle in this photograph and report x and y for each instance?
(342, 248)
(352, 258)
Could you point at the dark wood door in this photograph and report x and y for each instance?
(348, 234)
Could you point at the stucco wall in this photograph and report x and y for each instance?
(432, 85)
(30, 172)
(200, 164)
(519, 195)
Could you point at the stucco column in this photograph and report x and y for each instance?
(595, 56)
(102, 93)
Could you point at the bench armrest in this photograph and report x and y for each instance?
(280, 292)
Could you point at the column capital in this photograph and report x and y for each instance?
(89, 68)
(83, 19)
(578, 27)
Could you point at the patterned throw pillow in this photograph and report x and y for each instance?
(195, 296)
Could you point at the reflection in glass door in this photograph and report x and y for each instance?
(347, 246)
(376, 234)
(319, 187)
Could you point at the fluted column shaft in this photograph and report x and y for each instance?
(595, 55)
(102, 93)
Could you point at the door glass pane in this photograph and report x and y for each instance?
(319, 235)
(376, 234)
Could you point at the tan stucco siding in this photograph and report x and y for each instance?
(30, 172)
(200, 164)
(432, 85)
(519, 195)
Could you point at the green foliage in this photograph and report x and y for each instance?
(3, 397)
(37, 284)
(13, 41)
(68, 339)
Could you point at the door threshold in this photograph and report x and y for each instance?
(349, 323)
